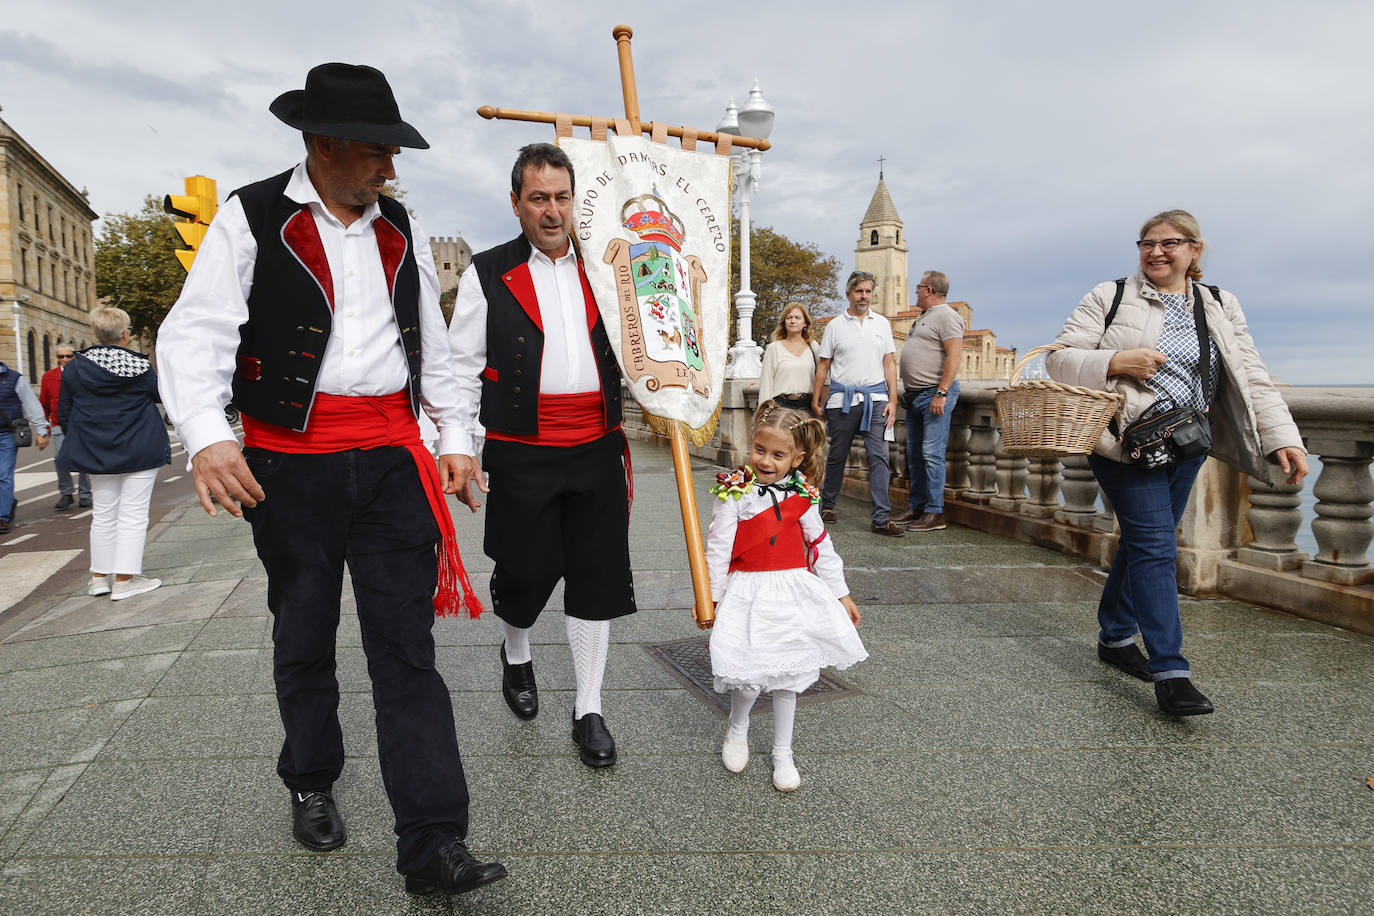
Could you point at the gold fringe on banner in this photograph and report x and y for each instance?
(699, 436)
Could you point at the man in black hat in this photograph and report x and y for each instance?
(313, 303)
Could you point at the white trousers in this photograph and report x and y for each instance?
(119, 521)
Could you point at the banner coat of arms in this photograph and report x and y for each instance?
(653, 227)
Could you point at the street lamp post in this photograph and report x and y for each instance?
(755, 120)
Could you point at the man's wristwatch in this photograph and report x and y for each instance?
(941, 393)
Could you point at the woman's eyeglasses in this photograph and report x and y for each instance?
(1147, 245)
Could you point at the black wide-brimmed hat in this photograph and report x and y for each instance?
(348, 101)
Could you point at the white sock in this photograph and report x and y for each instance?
(517, 644)
(741, 701)
(784, 715)
(589, 641)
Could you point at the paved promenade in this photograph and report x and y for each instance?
(988, 764)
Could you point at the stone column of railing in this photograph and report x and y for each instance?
(957, 454)
(982, 459)
(1080, 492)
(1338, 426)
(1275, 518)
(1043, 484)
(1010, 472)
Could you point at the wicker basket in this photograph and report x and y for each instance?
(1045, 419)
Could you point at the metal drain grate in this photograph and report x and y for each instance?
(689, 660)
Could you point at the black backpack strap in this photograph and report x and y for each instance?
(1116, 304)
(1216, 294)
(1204, 340)
(1107, 323)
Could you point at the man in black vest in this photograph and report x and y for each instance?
(536, 367)
(314, 299)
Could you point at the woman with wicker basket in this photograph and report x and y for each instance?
(1142, 336)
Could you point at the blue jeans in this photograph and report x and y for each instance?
(927, 436)
(1142, 587)
(9, 452)
(843, 426)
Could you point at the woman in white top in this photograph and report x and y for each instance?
(789, 361)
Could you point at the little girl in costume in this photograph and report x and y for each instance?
(783, 610)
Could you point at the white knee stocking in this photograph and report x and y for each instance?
(784, 715)
(517, 643)
(741, 701)
(589, 641)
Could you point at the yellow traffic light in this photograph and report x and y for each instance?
(197, 207)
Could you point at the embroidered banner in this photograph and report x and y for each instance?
(653, 226)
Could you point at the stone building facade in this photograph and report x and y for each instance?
(451, 257)
(47, 259)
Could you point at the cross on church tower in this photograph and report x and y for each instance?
(881, 160)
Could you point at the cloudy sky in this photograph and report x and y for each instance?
(1025, 142)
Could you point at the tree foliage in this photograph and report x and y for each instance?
(135, 269)
(781, 271)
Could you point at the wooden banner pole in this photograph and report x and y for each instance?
(490, 112)
(628, 88)
(704, 609)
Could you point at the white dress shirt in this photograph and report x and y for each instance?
(197, 343)
(568, 365)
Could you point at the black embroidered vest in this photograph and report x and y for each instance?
(291, 305)
(515, 344)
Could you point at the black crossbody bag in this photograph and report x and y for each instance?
(1164, 436)
(19, 429)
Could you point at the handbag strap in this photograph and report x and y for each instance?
(1204, 342)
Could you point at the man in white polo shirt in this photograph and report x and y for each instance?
(857, 355)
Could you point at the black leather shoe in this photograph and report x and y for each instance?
(595, 745)
(315, 821)
(517, 686)
(453, 870)
(1127, 658)
(64, 502)
(84, 502)
(1178, 697)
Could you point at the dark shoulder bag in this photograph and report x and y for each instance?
(1164, 436)
(19, 429)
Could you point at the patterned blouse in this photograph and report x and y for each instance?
(1177, 381)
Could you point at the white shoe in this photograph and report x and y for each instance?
(99, 585)
(785, 775)
(735, 755)
(130, 587)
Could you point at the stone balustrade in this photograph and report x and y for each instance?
(1238, 536)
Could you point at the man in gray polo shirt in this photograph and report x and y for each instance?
(857, 354)
(929, 366)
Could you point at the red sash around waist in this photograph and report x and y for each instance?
(564, 419)
(338, 424)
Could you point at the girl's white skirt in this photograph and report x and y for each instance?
(777, 629)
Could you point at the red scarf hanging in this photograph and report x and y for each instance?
(340, 423)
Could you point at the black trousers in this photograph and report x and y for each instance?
(558, 513)
(365, 508)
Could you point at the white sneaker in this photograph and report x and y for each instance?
(135, 586)
(99, 585)
(785, 775)
(735, 755)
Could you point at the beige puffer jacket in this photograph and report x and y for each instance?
(1249, 418)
